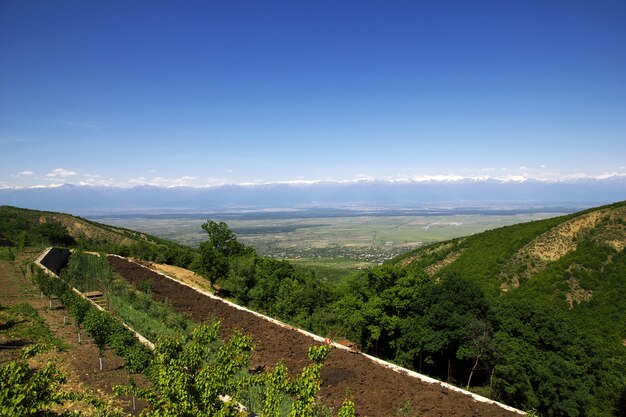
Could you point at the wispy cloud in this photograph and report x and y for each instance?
(96, 181)
(438, 178)
(185, 180)
(55, 185)
(608, 175)
(61, 173)
(22, 174)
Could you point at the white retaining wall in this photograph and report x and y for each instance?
(317, 338)
(138, 336)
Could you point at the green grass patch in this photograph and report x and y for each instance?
(7, 254)
(148, 317)
(21, 323)
(87, 272)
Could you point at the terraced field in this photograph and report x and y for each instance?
(378, 391)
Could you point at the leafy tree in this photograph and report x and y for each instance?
(215, 252)
(202, 375)
(222, 238)
(124, 344)
(480, 345)
(426, 322)
(55, 233)
(22, 240)
(43, 282)
(189, 377)
(276, 383)
(544, 362)
(99, 326)
(308, 383)
(270, 274)
(27, 392)
(302, 388)
(213, 264)
(241, 277)
(78, 308)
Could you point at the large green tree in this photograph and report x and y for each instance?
(222, 238)
(216, 252)
(55, 233)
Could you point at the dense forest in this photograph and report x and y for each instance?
(533, 315)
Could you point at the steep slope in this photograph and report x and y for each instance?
(556, 291)
(576, 262)
(14, 220)
(23, 227)
(508, 258)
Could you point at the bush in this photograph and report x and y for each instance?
(24, 392)
(137, 357)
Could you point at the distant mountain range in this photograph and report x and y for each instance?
(364, 193)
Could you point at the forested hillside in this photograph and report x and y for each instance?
(554, 312)
(533, 314)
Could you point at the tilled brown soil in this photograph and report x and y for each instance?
(377, 391)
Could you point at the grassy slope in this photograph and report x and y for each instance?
(14, 220)
(597, 268)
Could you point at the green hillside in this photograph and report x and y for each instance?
(25, 227)
(574, 262)
(550, 294)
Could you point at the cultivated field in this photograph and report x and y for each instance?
(376, 390)
(346, 242)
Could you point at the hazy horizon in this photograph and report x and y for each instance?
(370, 195)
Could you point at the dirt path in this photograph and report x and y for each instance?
(376, 390)
(79, 361)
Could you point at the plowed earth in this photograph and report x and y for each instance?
(377, 391)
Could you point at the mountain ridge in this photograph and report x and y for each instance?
(367, 193)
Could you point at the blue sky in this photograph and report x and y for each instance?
(204, 93)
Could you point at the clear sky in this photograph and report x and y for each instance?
(207, 92)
